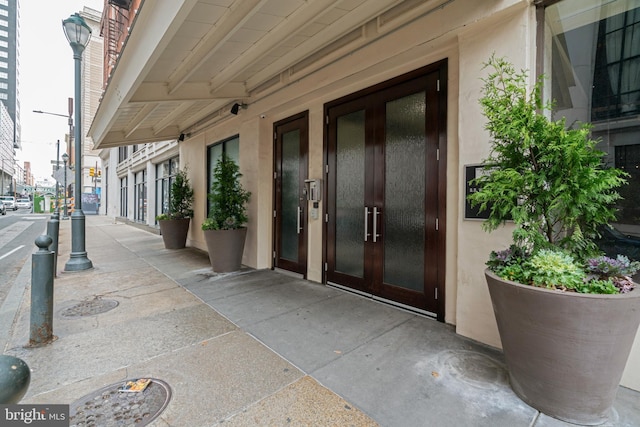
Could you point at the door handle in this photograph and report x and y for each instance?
(366, 224)
(376, 212)
(298, 220)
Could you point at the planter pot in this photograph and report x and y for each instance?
(174, 232)
(225, 248)
(565, 351)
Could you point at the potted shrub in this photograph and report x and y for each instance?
(174, 224)
(224, 229)
(567, 317)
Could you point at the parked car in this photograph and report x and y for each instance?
(3, 209)
(614, 242)
(23, 203)
(9, 202)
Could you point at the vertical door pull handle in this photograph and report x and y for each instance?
(298, 222)
(366, 224)
(376, 212)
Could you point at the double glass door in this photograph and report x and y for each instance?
(385, 193)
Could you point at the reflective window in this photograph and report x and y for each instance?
(592, 56)
(165, 173)
(123, 197)
(140, 196)
(231, 147)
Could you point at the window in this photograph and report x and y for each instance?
(3, 75)
(165, 173)
(140, 196)
(231, 147)
(617, 67)
(123, 197)
(122, 154)
(592, 54)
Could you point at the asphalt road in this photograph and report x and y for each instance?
(18, 232)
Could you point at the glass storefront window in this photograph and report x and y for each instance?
(231, 147)
(123, 197)
(165, 173)
(140, 196)
(592, 69)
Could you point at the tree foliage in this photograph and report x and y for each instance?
(181, 197)
(549, 180)
(227, 196)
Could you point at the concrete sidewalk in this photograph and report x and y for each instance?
(255, 347)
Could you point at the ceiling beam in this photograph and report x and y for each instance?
(137, 120)
(359, 16)
(226, 26)
(169, 118)
(191, 91)
(291, 26)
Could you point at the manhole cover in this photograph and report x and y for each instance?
(111, 407)
(90, 308)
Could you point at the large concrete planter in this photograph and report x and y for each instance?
(225, 248)
(565, 351)
(174, 232)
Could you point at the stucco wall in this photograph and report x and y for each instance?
(511, 35)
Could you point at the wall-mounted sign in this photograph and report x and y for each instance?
(471, 172)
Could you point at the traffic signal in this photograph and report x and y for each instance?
(92, 171)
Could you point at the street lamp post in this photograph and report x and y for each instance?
(65, 158)
(77, 33)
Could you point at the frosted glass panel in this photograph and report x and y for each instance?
(350, 194)
(404, 192)
(290, 194)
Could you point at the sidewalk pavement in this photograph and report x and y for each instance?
(255, 347)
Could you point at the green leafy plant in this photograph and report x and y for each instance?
(549, 180)
(227, 196)
(180, 198)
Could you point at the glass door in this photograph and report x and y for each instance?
(384, 193)
(290, 214)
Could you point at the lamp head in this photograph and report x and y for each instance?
(65, 157)
(77, 32)
(236, 107)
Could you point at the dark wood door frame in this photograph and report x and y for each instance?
(435, 74)
(297, 122)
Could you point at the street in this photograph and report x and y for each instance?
(18, 231)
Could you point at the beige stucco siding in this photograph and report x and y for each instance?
(466, 38)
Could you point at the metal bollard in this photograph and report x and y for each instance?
(15, 377)
(53, 231)
(41, 326)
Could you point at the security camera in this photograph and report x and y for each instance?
(262, 116)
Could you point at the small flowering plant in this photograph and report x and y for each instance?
(618, 270)
(557, 269)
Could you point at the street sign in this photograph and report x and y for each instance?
(59, 176)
